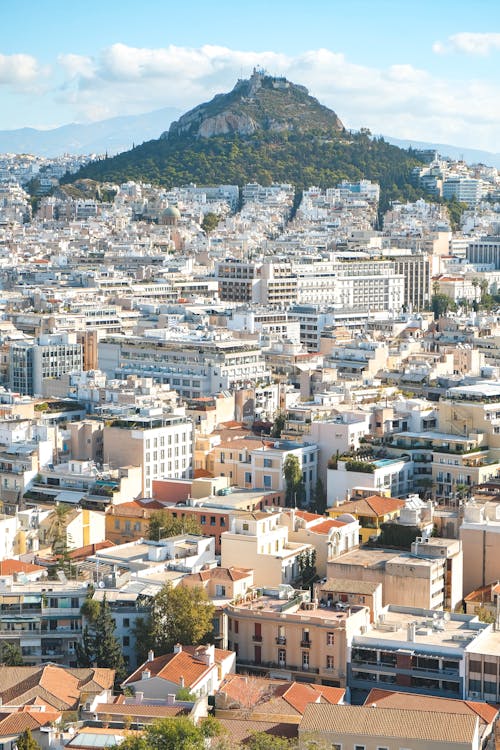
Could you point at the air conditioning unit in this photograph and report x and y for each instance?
(474, 694)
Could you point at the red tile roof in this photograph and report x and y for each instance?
(417, 702)
(9, 567)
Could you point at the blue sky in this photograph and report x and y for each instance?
(423, 70)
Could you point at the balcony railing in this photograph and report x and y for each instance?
(281, 640)
(257, 638)
(306, 643)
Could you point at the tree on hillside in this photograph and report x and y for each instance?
(57, 532)
(99, 644)
(441, 304)
(278, 424)
(292, 473)
(181, 615)
(163, 525)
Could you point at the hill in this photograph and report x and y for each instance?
(266, 129)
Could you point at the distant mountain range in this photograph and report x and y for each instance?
(469, 155)
(107, 136)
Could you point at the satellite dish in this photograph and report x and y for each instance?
(101, 584)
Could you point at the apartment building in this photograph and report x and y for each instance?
(50, 356)
(479, 534)
(416, 650)
(392, 476)
(43, 618)
(193, 366)
(162, 445)
(259, 541)
(429, 577)
(280, 633)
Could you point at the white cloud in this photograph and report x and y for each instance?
(20, 71)
(470, 43)
(400, 100)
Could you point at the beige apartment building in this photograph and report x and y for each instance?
(280, 633)
(480, 537)
(259, 541)
(425, 578)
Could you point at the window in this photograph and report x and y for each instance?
(268, 482)
(126, 640)
(236, 626)
(212, 520)
(305, 659)
(248, 477)
(117, 523)
(222, 521)
(268, 463)
(359, 747)
(222, 458)
(126, 622)
(203, 520)
(330, 639)
(220, 590)
(330, 662)
(245, 527)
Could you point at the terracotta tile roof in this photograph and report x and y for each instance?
(240, 730)
(375, 505)
(299, 695)
(220, 574)
(141, 710)
(306, 516)
(58, 687)
(89, 549)
(417, 702)
(402, 724)
(9, 567)
(326, 526)
(173, 667)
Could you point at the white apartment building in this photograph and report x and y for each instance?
(50, 356)
(195, 365)
(161, 445)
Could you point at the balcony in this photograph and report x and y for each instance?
(256, 638)
(281, 640)
(306, 643)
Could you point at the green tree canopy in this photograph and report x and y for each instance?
(180, 615)
(292, 473)
(210, 222)
(163, 525)
(99, 644)
(11, 655)
(25, 741)
(177, 733)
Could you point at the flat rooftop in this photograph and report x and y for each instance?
(431, 630)
(378, 558)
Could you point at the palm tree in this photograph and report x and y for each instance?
(57, 531)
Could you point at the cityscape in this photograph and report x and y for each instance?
(249, 392)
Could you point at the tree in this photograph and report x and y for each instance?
(163, 525)
(25, 741)
(440, 304)
(11, 655)
(278, 424)
(181, 615)
(319, 497)
(264, 741)
(143, 637)
(292, 473)
(177, 733)
(485, 615)
(210, 222)
(57, 531)
(99, 644)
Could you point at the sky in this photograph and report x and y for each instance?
(412, 69)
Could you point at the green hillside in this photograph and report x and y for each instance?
(304, 145)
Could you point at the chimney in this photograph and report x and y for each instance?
(146, 674)
(139, 697)
(177, 648)
(170, 699)
(151, 654)
(181, 681)
(208, 655)
(410, 632)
